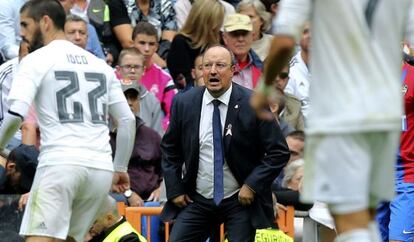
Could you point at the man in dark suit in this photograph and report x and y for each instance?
(227, 169)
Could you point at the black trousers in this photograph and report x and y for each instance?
(203, 217)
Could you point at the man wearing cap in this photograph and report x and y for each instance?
(144, 166)
(238, 37)
(17, 172)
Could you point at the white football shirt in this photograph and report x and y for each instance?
(356, 59)
(72, 90)
(7, 71)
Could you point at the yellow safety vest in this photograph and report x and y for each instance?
(123, 229)
(270, 235)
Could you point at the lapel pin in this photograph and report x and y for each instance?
(228, 132)
(236, 106)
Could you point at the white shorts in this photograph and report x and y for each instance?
(64, 201)
(354, 169)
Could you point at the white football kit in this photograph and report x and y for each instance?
(356, 58)
(71, 90)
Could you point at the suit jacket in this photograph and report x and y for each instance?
(256, 151)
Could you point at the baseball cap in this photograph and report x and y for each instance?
(26, 159)
(129, 84)
(237, 21)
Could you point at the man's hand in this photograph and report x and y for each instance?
(23, 201)
(135, 200)
(246, 195)
(120, 182)
(155, 195)
(182, 200)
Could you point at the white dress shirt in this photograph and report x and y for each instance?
(205, 175)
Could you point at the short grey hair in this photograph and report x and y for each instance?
(261, 11)
(290, 171)
(75, 18)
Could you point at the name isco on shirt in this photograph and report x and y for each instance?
(76, 59)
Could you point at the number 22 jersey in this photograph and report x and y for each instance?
(71, 90)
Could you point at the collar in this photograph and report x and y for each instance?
(224, 98)
(245, 66)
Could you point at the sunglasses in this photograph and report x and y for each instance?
(283, 75)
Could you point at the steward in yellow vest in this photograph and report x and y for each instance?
(121, 231)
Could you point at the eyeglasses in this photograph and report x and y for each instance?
(220, 66)
(283, 75)
(130, 67)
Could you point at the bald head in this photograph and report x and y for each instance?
(217, 70)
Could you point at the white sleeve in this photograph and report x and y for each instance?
(12, 121)
(409, 34)
(125, 136)
(29, 76)
(291, 17)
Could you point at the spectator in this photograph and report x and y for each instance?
(18, 171)
(76, 30)
(277, 105)
(155, 79)
(296, 142)
(183, 7)
(124, 15)
(299, 75)
(193, 38)
(271, 7)
(197, 71)
(227, 177)
(238, 37)
(288, 194)
(292, 113)
(10, 28)
(97, 12)
(293, 175)
(93, 44)
(130, 69)
(261, 21)
(145, 163)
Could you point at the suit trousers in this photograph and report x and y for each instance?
(199, 219)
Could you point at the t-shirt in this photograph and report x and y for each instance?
(299, 81)
(355, 61)
(72, 90)
(407, 134)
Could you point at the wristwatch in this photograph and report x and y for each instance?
(128, 193)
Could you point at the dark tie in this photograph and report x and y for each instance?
(218, 154)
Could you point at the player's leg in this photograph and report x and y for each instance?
(337, 172)
(93, 193)
(48, 209)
